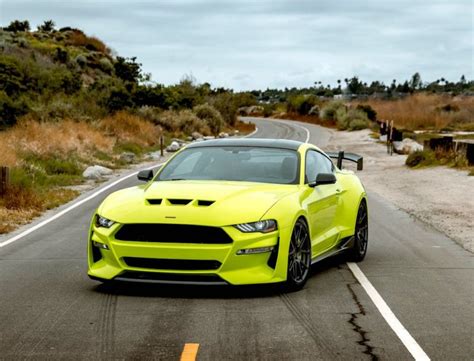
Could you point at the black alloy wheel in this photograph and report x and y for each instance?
(361, 234)
(299, 256)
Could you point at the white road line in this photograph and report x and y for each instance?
(306, 130)
(77, 204)
(292, 123)
(392, 320)
(68, 209)
(249, 135)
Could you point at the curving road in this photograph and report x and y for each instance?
(49, 309)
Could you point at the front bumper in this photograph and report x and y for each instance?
(189, 263)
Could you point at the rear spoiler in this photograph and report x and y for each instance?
(347, 156)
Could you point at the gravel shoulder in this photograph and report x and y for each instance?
(439, 196)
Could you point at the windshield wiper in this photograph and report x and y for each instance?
(174, 179)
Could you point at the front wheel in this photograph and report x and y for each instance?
(361, 235)
(299, 257)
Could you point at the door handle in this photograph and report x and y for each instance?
(338, 191)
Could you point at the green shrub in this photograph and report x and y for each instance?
(301, 104)
(329, 111)
(352, 119)
(227, 106)
(358, 124)
(420, 158)
(268, 110)
(211, 116)
(10, 110)
(17, 25)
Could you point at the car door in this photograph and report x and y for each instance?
(321, 202)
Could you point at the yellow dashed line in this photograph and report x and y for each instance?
(189, 352)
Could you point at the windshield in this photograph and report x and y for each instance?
(247, 164)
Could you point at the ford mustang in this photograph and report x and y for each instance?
(232, 211)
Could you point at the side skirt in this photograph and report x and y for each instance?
(343, 245)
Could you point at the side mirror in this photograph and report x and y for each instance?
(324, 178)
(145, 175)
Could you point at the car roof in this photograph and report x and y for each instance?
(248, 142)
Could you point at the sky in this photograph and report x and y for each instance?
(273, 43)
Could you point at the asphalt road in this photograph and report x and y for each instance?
(49, 309)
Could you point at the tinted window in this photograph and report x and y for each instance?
(250, 164)
(316, 163)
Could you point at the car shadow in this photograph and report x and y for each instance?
(136, 289)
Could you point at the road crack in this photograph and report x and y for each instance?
(364, 340)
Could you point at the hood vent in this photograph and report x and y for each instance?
(154, 201)
(205, 203)
(179, 202)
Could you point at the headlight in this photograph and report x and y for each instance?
(266, 226)
(103, 222)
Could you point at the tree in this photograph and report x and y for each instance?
(415, 82)
(128, 69)
(47, 26)
(355, 86)
(17, 25)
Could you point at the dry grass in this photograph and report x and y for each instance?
(125, 127)
(244, 127)
(425, 111)
(44, 156)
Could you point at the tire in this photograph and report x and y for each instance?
(361, 235)
(299, 257)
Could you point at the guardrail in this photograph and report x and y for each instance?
(4, 180)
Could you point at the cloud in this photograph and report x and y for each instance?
(273, 43)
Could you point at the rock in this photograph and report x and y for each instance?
(127, 157)
(406, 146)
(199, 140)
(314, 110)
(154, 155)
(383, 138)
(196, 135)
(208, 137)
(96, 172)
(179, 141)
(173, 147)
(189, 139)
(223, 135)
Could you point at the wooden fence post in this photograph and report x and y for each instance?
(162, 145)
(4, 179)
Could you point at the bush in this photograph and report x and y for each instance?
(18, 25)
(352, 119)
(227, 106)
(301, 104)
(10, 110)
(420, 157)
(211, 116)
(268, 110)
(329, 112)
(47, 26)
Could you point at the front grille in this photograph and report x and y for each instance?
(172, 233)
(172, 264)
(171, 278)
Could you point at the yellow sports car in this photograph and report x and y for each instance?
(232, 211)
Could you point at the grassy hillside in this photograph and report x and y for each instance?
(67, 102)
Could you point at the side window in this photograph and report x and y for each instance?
(316, 163)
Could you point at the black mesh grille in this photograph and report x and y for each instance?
(172, 264)
(170, 278)
(172, 233)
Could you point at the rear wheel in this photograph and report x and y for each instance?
(361, 235)
(299, 257)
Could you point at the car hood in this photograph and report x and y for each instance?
(233, 202)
